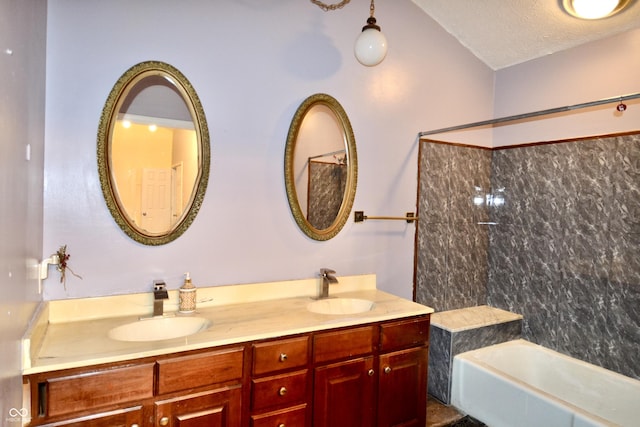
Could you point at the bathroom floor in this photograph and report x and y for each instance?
(440, 415)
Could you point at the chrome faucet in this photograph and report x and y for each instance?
(159, 295)
(327, 278)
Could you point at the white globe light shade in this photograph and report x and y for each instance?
(371, 47)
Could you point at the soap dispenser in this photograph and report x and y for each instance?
(187, 296)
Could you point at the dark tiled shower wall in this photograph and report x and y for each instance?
(452, 246)
(565, 250)
(327, 183)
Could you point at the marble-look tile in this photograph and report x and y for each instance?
(434, 182)
(625, 259)
(472, 339)
(505, 284)
(545, 164)
(564, 249)
(326, 189)
(521, 258)
(588, 192)
(440, 360)
(585, 253)
(562, 208)
(582, 312)
(452, 271)
(479, 265)
(527, 177)
(626, 185)
(506, 167)
(466, 266)
(522, 250)
(581, 303)
(622, 334)
(456, 331)
(623, 317)
(540, 312)
(469, 178)
(431, 281)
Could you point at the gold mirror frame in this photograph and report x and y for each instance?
(352, 167)
(105, 130)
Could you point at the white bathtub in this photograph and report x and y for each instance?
(520, 384)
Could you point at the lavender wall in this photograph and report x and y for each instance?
(602, 69)
(252, 63)
(564, 248)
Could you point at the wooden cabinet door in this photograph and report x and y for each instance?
(344, 394)
(212, 408)
(130, 417)
(402, 388)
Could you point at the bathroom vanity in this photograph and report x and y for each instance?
(260, 363)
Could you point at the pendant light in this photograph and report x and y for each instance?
(371, 45)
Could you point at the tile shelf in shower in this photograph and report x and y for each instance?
(456, 331)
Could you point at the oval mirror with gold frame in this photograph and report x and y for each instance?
(153, 153)
(320, 167)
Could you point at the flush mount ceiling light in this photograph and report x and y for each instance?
(371, 45)
(594, 9)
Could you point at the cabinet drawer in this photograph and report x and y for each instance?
(123, 417)
(279, 355)
(340, 344)
(404, 333)
(296, 416)
(279, 390)
(92, 390)
(187, 372)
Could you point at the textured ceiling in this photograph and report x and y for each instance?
(502, 33)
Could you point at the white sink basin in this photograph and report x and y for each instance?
(340, 306)
(160, 328)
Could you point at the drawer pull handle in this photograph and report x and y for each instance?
(283, 357)
(371, 372)
(387, 370)
(281, 425)
(164, 421)
(282, 391)
(134, 425)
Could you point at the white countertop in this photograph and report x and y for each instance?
(73, 333)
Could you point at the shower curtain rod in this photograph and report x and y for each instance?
(532, 114)
(327, 154)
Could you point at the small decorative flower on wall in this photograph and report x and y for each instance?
(63, 266)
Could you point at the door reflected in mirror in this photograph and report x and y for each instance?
(153, 153)
(320, 167)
